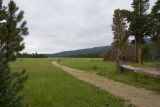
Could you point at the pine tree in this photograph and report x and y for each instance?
(10, 85)
(16, 30)
(119, 29)
(155, 24)
(2, 25)
(138, 25)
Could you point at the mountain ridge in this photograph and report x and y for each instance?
(88, 52)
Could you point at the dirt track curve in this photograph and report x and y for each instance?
(137, 96)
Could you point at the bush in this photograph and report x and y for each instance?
(94, 67)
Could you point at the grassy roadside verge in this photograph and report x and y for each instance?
(149, 64)
(49, 86)
(108, 69)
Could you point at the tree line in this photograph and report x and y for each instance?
(12, 31)
(139, 24)
(33, 55)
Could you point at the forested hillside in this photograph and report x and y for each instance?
(89, 52)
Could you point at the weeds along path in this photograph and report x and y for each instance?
(137, 96)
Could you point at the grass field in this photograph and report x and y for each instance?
(149, 64)
(48, 86)
(108, 69)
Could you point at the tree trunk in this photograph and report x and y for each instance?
(7, 48)
(140, 51)
(117, 59)
(7, 52)
(136, 49)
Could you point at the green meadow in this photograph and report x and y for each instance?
(108, 69)
(49, 86)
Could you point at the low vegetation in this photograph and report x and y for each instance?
(148, 64)
(49, 86)
(109, 70)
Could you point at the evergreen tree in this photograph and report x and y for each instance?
(10, 85)
(139, 25)
(2, 25)
(155, 13)
(155, 24)
(119, 29)
(16, 30)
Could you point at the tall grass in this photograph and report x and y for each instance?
(49, 86)
(108, 69)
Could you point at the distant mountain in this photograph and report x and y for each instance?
(89, 52)
(97, 52)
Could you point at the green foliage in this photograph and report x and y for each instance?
(95, 67)
(157, 43)
(155, 13)
(142, 24)
(11, 83)
(146, 52)
(155, 25)
(2, 27)
(138, 21)
(59, 60)
(12, 31)
(33, 55)
(119, 29)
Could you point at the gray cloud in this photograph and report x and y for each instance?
(58, 25)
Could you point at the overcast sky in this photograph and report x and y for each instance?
(60, 25)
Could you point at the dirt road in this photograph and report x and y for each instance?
(137, 96)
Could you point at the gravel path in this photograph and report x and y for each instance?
(137, 96)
